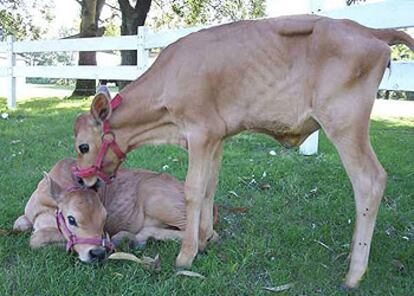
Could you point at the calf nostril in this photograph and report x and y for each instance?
(98, 253)
(80, 181)
(97, 184)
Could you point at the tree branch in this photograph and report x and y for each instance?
(142, 7)
(125, 6)
(112, 7)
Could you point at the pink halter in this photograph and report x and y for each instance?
(108, 141)
(74, 240)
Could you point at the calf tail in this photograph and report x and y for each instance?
(393, 37)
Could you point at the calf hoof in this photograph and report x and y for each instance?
(184, 261)
(202, 254)
(139, 245)
(202, 247)
(116, 242)
(215, 237)
(346, 288)
(178, 269)
(22, 224)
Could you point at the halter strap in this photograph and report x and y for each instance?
(108, 141)
(73, 240)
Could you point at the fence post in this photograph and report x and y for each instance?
(310, 146)
(11, 80)
(142, 52)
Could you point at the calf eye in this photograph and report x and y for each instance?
(72, 221)
(84, 148)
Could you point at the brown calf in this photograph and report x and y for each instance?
(139, 204)
(285, 77)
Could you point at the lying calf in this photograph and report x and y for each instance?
(139, 204)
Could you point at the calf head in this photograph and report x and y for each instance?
(81, 219)
(99, 153)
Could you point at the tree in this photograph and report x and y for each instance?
(196, 12)
(90, 12)
(132, 17)
(16, 18)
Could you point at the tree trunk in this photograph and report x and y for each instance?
(91, 10)
(387, 95)
(132, 17)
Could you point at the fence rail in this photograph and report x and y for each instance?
(78, 72)
(383, 14)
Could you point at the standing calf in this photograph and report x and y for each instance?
(285, 77)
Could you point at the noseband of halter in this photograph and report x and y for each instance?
(108, 141)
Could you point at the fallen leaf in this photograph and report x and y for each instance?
(313, 190)
(341, 255)
(222, 257)
(153, 263)
(125, 256)
(324, 245)
(280, 288)
(239, 210)
(190, 274)
(117, 274)
(4, 232)
(398, 265)
(148, 262)
(233, 193)
(265, 186)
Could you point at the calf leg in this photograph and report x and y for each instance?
(158, 233)
(46, 236)
(206, 220)
(366, 174)
(22, 224)
(118, 237)
(201, 159)
(368, 180)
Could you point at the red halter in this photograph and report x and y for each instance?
(74, 240)
(108, 141)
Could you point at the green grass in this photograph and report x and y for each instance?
(274, 243)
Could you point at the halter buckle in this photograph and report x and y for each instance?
(108, 137)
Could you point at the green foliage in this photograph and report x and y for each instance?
(17, 18)
(401, 53)
(273, 243)
(175, 13)
(111, 29)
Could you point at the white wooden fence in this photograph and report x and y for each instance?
(383, 14)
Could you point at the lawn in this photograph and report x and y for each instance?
(276, 213)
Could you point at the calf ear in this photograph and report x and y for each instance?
(104, 89)
(56, 192)
(101, 108)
